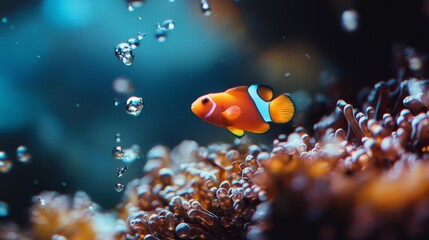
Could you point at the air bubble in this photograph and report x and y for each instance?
(3, 155)
(132, 4)
(118, 138)
(349, 20)
(205, 7)
(134, 43)
(58, 237)
(123, 85)
(415, 63)
(22, 154)
(4, 20)
(134, 105)
(40, 201)
(119, 187)
(160, 33)
(116, 102)
(124, 53)
(4, 209)
(121, 171)
(140, 35)
(118, 152)
(130, 155)
(168, 24)
(5, 166)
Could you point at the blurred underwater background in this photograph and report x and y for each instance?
(57, 74)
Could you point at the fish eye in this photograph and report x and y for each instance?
(205, 100)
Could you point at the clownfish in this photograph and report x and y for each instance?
(244, 108)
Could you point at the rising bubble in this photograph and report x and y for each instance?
(168, 24)
(160, 33)
(116, 102)
(4, 209)
(118, 138)
(120, 171)
(117, 152)
(119, 187)
(134, 43)
(130, 155)
(3, 155)
(58, 237)
(22, 154)
(134, 105)
(5, 166)
(140, 35)
(4, 20)
(350, 20)
(124, 52)
(123, 85)
(135, 3)
(205, 7)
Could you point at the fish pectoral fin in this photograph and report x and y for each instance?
(232, 112)
(237, 132)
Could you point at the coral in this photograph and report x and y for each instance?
(57, 216)
(362, 175)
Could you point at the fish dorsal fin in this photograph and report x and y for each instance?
(237, 132)
(240, 89)
(265, 92)
(232, 112)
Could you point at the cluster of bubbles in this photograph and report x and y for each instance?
(127, 156)
(124, 51)
(162, 29)
(22, 155)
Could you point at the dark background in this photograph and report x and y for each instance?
(57, 54)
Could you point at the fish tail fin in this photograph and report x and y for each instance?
(282, 109)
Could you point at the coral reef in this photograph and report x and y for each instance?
(362, 175)
(58, 217)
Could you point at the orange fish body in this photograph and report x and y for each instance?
(244, 108)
